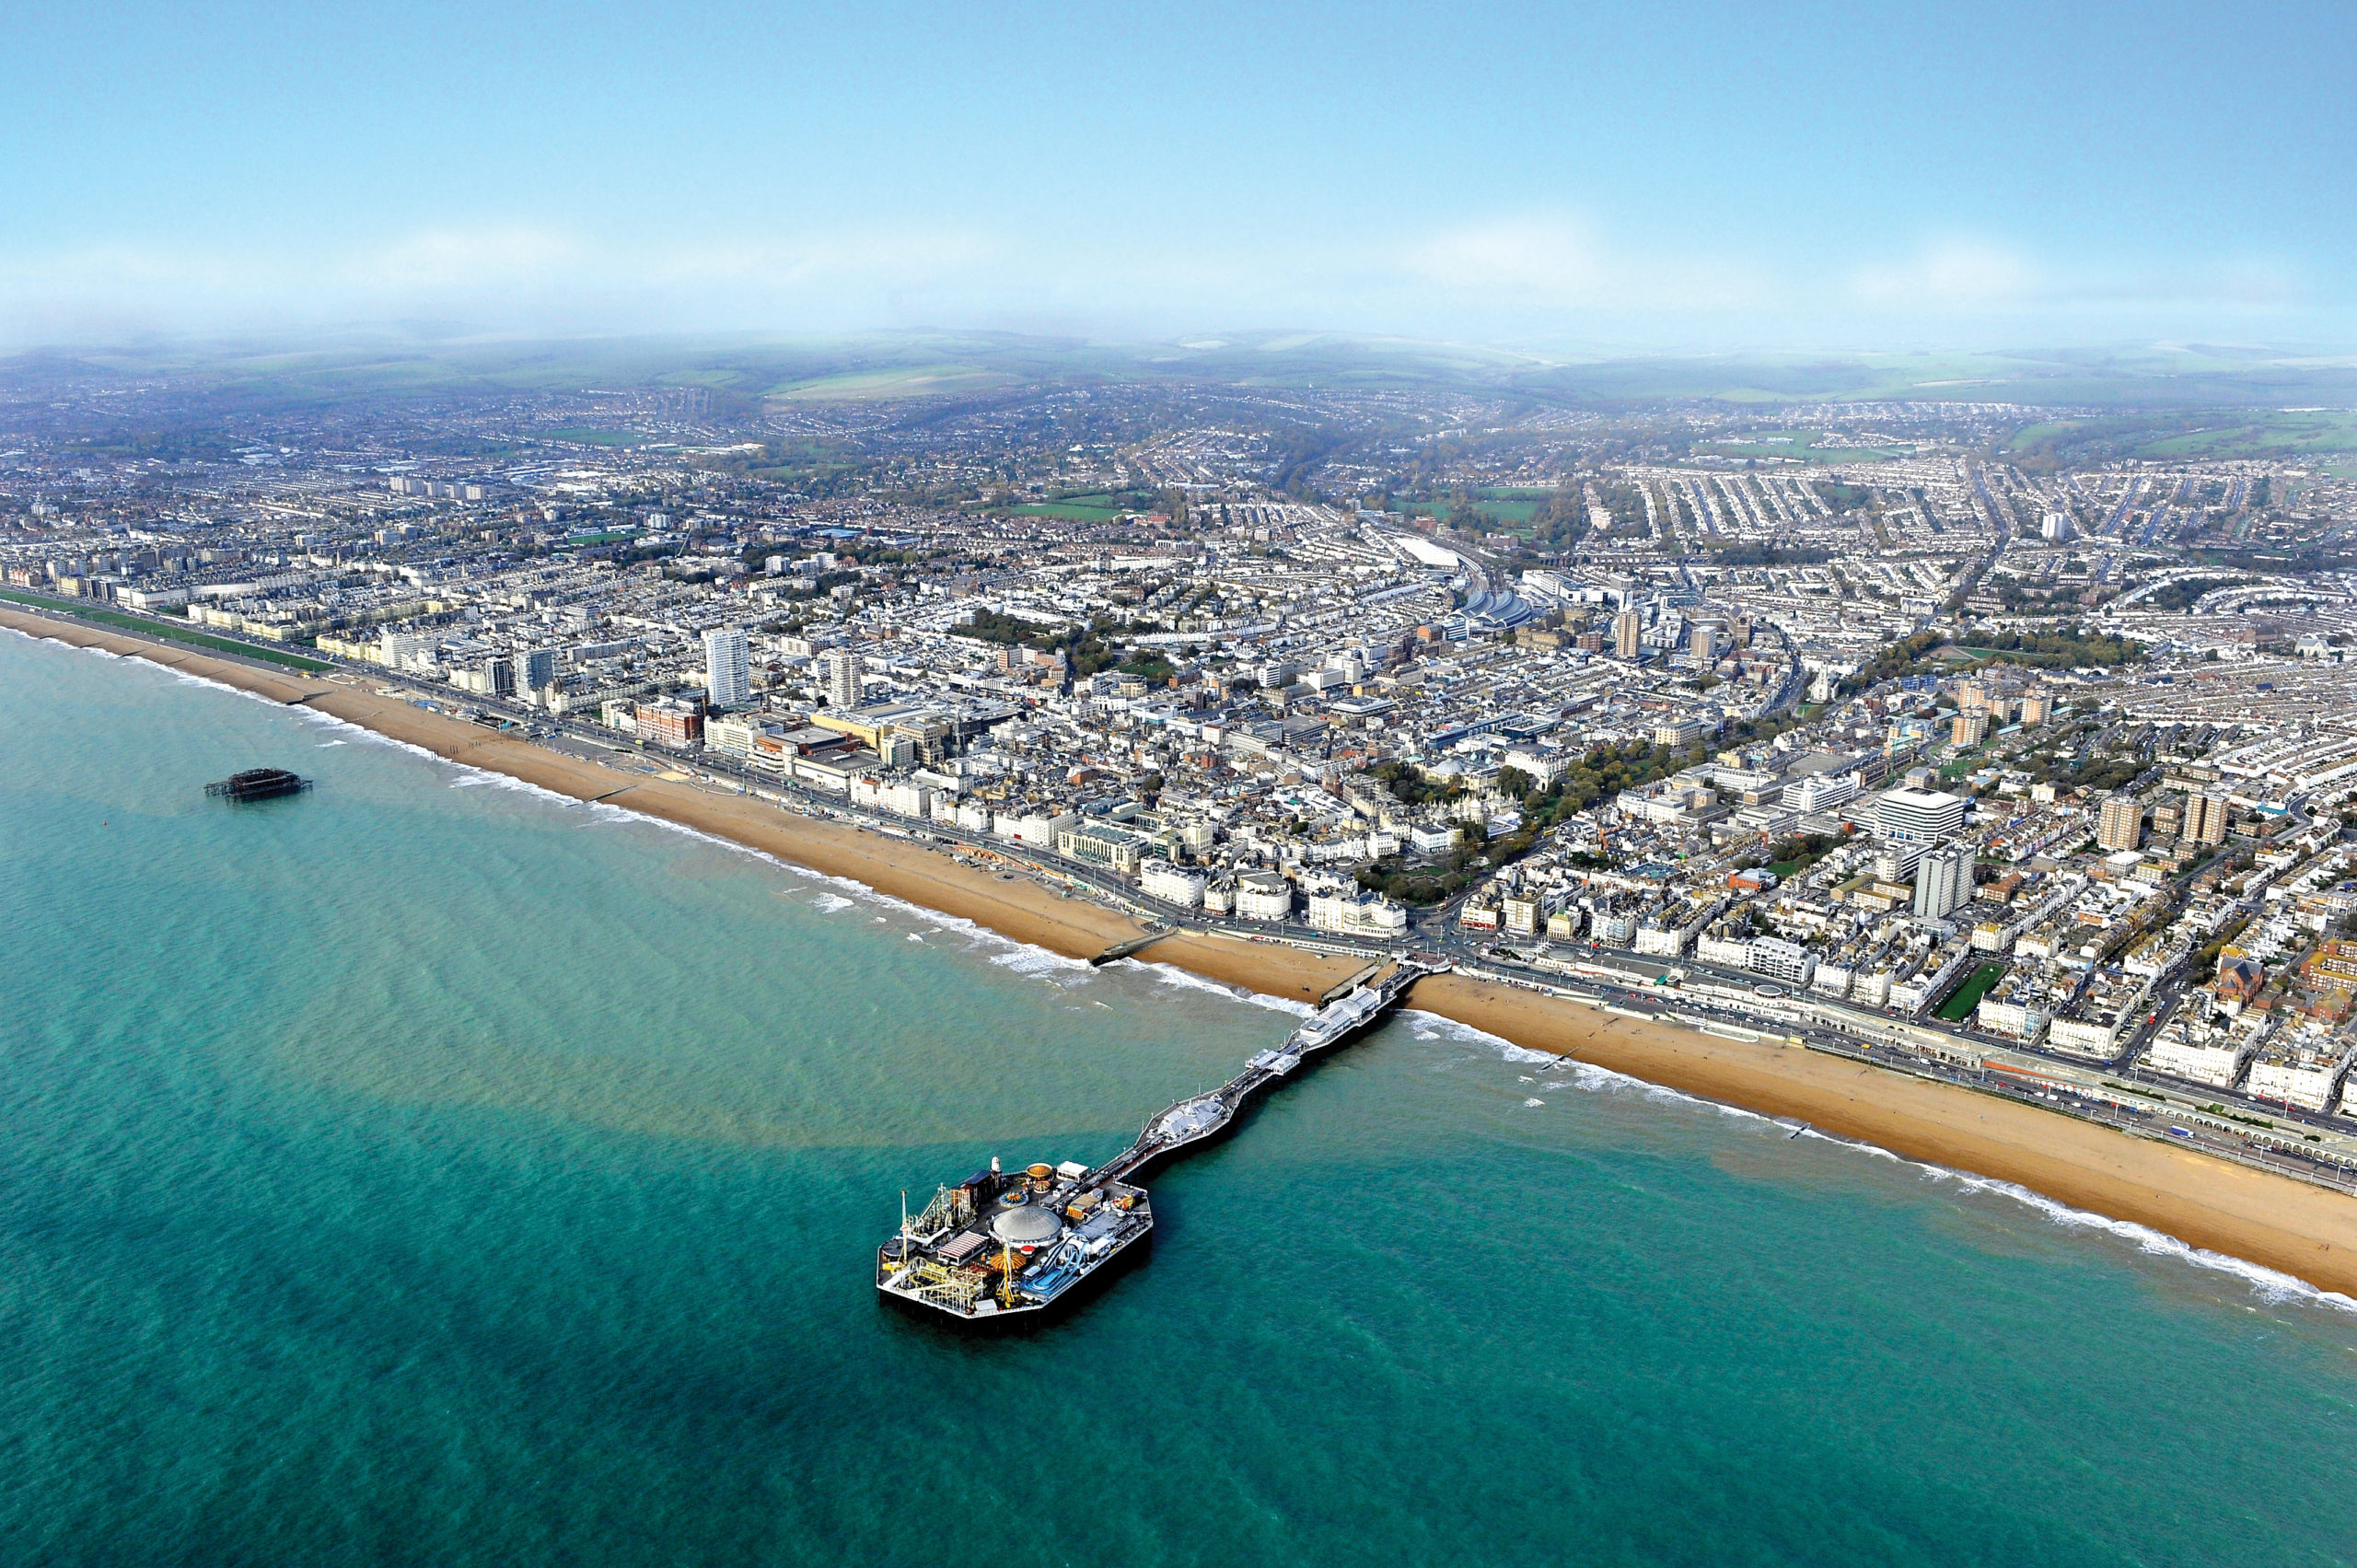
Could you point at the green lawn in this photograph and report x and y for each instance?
(1509, 513)
(165, 629)
(899, 381)
(1957, 1008)
(2271, 432)
(1080, 511)
(1802, 445)
(587, 438)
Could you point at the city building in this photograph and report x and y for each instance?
(2120, 823)
(669, 723)
(1263, 895)
(1943, 881)
(1919, 816)
(1679, 732)
(728, 674)
(1171, 884)
(1628, 633)
(840, 673)
(2205, 818)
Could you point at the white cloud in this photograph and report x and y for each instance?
(1555, 262)
(1549, 259)
(507, 277)
(1980, 279)
(1949, 278)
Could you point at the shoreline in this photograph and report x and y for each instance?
(2290, 1226)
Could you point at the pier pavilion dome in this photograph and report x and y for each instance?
(1029, 1225)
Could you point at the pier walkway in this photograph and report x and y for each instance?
(1205, 1116)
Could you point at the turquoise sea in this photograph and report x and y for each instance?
(425, 1170)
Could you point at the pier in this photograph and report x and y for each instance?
(1135, 945)
(257, 783)
(1207, 1116)
(1003, 1243)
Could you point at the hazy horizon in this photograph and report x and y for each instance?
(1692, 181)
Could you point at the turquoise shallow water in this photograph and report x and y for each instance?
(425, 1171)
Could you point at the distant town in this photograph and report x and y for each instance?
(1858, 723)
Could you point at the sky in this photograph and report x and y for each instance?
(1649, 177)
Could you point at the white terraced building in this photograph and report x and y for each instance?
(1356, 914)
(1171, 884)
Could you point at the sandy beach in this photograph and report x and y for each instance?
(2301, 1230)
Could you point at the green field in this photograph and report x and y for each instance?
(1505, 514)
(2213, 434)
(581, 436)
(903, 382)
(1099, 507)
(1959, 1007)
(164, 630)
(2271, 434)
(1802, 445)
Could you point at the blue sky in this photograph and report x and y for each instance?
(1662, 176)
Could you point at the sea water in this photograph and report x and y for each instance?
(423, 1170)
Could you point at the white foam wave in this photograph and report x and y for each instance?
(1432, 1026)
(1024, 959)
(1534, 1102)
(1022, 956)
(325, 744)
(183, 675)
(483, 778)
(2270, 1285)
(1590, 1078)
(1171, 974)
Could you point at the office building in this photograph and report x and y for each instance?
(1943, 881)
(727, 668)
(1919, 816)
(2121, 824)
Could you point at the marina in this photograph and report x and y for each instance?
(1000, 1244)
